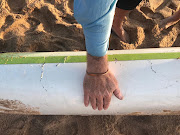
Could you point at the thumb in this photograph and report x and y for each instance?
(118, 94)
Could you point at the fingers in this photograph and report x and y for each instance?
(93, 102)
(107, 101)
(100, 103)
(118, 94)
(86, 99)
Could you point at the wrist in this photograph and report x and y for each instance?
(97, 64)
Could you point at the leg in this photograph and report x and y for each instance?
(118, 22)
(167, 22)
(123, 7)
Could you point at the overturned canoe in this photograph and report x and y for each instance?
(51, 82)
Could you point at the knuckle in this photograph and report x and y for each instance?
(93, 102)
(116, 91)
(86, 101)
(99, 104)
(106, 103)
(91, 95)
(86, 92)
(98, 94)
(107, 95)
(86, 95)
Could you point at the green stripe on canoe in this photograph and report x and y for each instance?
(15, 59)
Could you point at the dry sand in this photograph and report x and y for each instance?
(48, 25)
(91, 125)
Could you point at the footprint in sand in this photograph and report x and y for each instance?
(8, 21)
(173, 6)
(16, 6)
(33, 22)
(140, 18)
(45, 16)
(149, 13)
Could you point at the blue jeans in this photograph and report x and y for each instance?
(96, 17)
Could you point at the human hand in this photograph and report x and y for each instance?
(99, 89)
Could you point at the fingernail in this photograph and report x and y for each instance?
(121, 98)
(99, 109)
(86, 104)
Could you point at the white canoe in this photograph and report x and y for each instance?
(51, 82)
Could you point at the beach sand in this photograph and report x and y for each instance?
(89, 125)
(49, 25)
